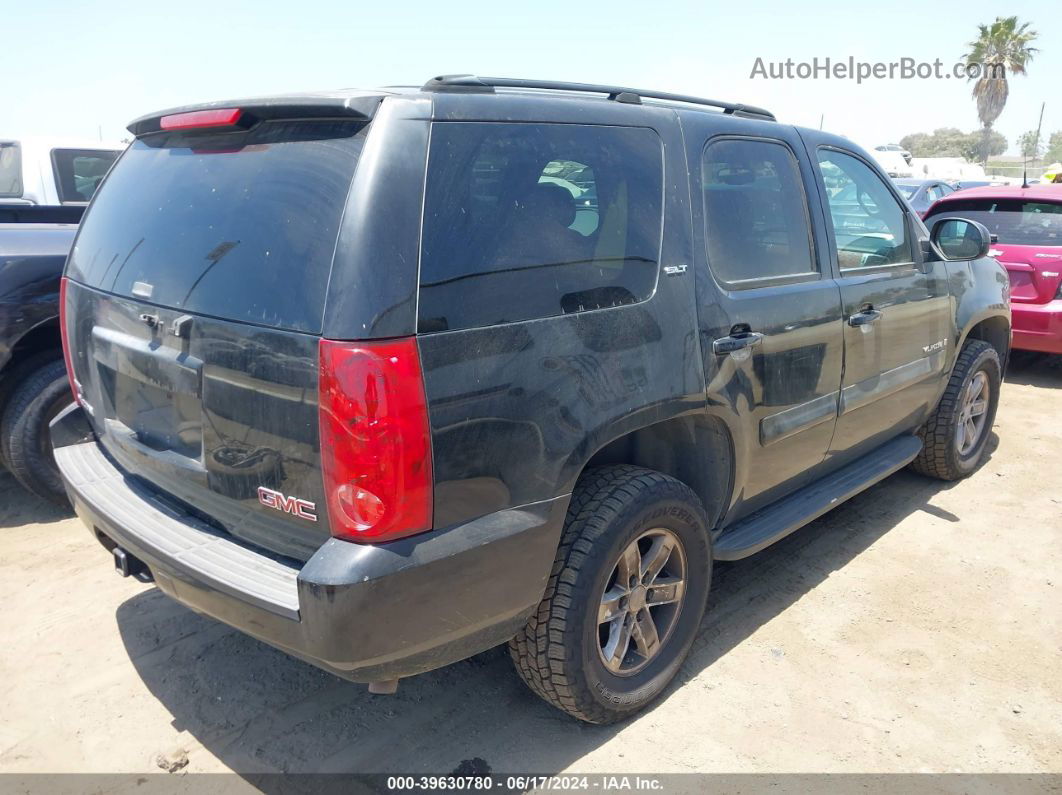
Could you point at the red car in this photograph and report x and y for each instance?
(1028, 225)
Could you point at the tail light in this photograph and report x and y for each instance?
(65, 336)
(375, 442)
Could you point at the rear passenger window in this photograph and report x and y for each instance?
(869, 224)
(527, 221)
(78, 172)
(756, 219)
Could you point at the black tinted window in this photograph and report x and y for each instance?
(238, 226)
(756, 220)
(10, 170)
(869, 224)
(527, 221)
(78, 172)
(1023, 223)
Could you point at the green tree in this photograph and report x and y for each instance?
(953, 142)
(942, 142)
(1031, 145)
(1054, 148)
(980, 146)
(1000, 47)
(916, 143)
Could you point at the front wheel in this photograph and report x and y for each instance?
(624, 599)
(955, 436)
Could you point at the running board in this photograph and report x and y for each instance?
(775, 522)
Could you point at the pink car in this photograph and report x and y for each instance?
(1028, 225)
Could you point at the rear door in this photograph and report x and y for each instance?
(896, 309)
(769, 311)
(195, 296)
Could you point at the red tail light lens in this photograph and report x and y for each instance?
(65, 336)
(220, 117)
(375, 441)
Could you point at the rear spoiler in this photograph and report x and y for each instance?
(310, 106)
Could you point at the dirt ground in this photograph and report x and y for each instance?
(918, 628)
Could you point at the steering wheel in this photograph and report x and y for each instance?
(860, 193)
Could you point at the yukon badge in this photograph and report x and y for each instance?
(936, 346)
(304, 509)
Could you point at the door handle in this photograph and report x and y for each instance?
(736, 341)
(864, 317)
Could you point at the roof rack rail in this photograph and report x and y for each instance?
(634, 96)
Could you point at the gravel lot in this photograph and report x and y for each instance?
(916, 628)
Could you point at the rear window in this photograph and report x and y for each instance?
(240, 226)
(529, 221)
(10, 170)
(1017, 222)
(78, 172)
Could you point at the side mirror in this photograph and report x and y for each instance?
(959, 239)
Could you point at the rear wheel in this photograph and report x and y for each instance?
(955, 436)
(24, 434)
(17, 372)
(625, 597)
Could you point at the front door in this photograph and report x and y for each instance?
(769, 311)
(896, 306)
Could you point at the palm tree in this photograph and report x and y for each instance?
(1001, 46)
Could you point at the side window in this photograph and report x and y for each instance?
(10, 170)
(945, 189)
(526, 221)
(868, 222)
(933, 192)
(755, 214)
(78, 172)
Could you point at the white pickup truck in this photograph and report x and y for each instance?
(52, 172)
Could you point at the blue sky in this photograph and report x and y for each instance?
(72, 68)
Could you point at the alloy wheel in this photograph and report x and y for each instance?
(973, 411)
(641, 602)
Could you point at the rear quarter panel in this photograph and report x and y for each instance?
(517, 410)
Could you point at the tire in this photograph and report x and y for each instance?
(941, 456)
(24, 436)
(14, 375)
(560, 653)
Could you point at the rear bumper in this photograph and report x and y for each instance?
(1037, 327)
(363, 612)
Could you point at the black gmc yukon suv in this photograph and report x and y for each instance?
(388, 378)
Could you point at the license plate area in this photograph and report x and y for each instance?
(152, 391)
